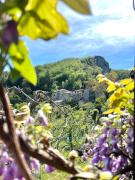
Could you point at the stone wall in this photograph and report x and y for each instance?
(65, 95)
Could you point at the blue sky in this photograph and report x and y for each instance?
(109, 33)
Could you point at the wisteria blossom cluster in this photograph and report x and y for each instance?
(8, 167)
(113, 147)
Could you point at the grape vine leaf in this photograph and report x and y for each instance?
(125, 81)
(111, 86)
(130, 86)
(42, 20)
(21, 62)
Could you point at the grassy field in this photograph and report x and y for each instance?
(56, 175)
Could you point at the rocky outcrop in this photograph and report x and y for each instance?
(97, 61)
(101, 62)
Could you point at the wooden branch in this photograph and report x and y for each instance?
(12, 141)
(21, 91)
(49, 156)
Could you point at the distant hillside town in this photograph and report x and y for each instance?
(63, 95)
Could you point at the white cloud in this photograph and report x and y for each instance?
(112, 7)
(116, 30)
(111, 23)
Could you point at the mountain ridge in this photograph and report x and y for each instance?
(70, 74)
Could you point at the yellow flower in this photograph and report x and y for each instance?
(47, 108)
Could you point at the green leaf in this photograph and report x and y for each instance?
(126, 81)
(18, 50)
(21, 62)
(130, 86)
(28, 26)
(41, 20)
(15, 12)
(81, 6)
(32, 26)
(111, 87)
(26, 69)
(110, 111)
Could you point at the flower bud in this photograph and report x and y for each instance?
(42, 118)
(73, 155)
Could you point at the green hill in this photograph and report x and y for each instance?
(71, 74)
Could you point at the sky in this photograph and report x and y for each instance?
(109, 32)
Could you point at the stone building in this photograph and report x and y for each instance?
(64, 95)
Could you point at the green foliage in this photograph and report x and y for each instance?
(21, 62)
(121, 97)
(44, 20)
(56, 175)
(122, 74)
(70, 131)
(69, 74)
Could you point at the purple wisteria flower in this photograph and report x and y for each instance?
(96, 159)
(106, 161)
(42, 118)
(29, 120)
(34, 164)
(84, 156)
(49, 169)
(114, 132)
(102, 139)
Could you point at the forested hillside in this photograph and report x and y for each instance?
(70, 74)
